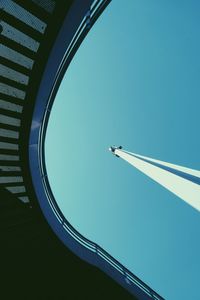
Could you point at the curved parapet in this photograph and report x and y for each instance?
(38, 41)
(59, 59)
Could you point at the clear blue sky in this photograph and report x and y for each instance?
(135, 81)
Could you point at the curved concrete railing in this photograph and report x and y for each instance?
(24, 27)
(77, 24)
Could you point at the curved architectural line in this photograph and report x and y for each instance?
(77, 24)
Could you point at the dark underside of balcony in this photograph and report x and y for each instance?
(36, 265)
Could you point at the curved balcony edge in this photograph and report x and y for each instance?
(78, 22)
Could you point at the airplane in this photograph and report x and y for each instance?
(113, 148)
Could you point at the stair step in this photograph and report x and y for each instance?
(17, 47)
(13, 75)
(37, 8)
(9, 146)
(19, 37)
(8, 106)
(9, 133)
(23, 16)
(10, 179)
(18, 59)
(11, 91)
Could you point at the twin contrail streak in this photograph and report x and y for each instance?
(183, 182)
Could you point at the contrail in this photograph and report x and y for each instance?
(183, 182)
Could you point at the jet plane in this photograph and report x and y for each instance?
(113, 148)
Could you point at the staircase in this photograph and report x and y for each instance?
(23, 29)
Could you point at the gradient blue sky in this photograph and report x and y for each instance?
(134, 82)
